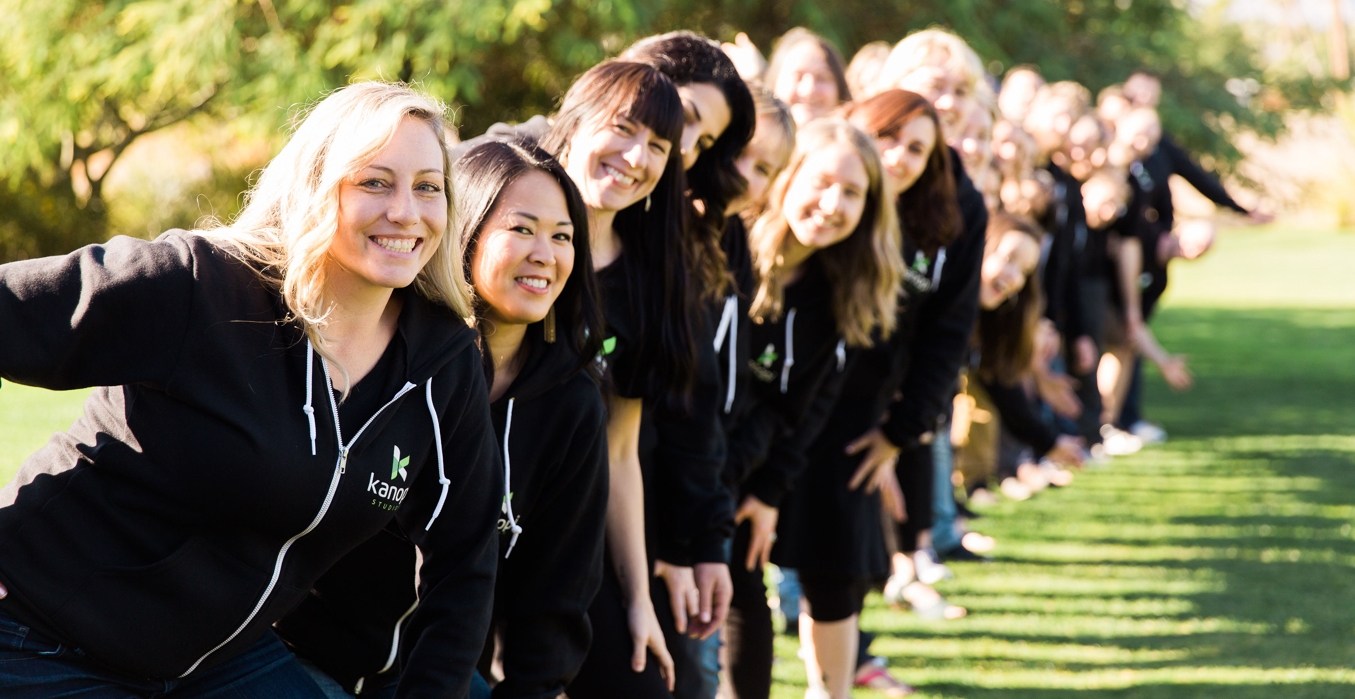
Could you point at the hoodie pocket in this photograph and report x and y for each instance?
(157, 620)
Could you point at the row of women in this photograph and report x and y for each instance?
(532, 411)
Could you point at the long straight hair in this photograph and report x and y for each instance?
(290, 217)
(481, 176)
(714, 180)
(655, 259)
(865, 271)
(929, 211)
(1006, 335)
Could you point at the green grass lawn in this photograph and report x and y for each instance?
(1219, 565)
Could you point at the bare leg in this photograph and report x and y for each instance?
(833, 645)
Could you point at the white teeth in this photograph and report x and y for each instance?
(534, 282)
(618, 175)
(396, 244)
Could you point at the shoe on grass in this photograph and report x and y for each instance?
(929, 569)
(1057, 476)
(875, 675)
(960, 553)
(1148, 433)
(1013, 489)
(1118, 442)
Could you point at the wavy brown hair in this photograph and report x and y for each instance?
(929, 212)
(865, 271)
(1005, 335)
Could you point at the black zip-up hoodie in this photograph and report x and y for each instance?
(549, 569)
(205, 488)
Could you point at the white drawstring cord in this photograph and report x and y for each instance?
(936, 271)
(308, 408)
(729, 325)
(437, 440)
(790, 351)
(507, 483)
(841, 353)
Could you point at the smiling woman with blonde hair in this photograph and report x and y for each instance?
(148, 550)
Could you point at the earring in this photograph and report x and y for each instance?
(548, 325)
(647, 202)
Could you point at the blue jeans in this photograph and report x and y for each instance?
(944, 536)
(788, 590)
(35, 667)
(479, 688)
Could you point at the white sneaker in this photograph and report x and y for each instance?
(1118, 442)
(1055, 474)
(929, 570)
(1148, 432)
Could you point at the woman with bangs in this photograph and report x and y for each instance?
(826, 253)
(689, 513)
(524, 232)
(257, 378)
(618, 135)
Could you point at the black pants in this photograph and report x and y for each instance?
(606, 672)
(1132, 410)
(833, 597)
(748, 633)
(917, 476)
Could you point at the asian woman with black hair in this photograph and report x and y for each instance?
(827, 256)
(618, 134)
(524, 232)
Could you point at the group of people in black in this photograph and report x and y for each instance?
(713, 313)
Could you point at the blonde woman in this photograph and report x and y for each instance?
(826, 253)
(943, 68)
(274, 392)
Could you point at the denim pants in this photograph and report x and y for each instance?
(944, 536)
(35, 667)
(479, 688)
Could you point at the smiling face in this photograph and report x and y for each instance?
(761, 161)
(827, 196)
(1006, 269)
(392, 213)
(616, 162)
(705, 115)
(525, 251)
(806, 83)
(904, 155)
(949, 94)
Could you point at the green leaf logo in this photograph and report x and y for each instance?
(398, 466)
(768, 357)
(609, 345)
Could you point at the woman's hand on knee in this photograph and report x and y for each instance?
(648, 637)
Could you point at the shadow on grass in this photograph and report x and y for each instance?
(1210, 567)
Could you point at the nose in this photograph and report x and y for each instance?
(690, 135)
(830, 200)
(945, 102)
(635, 156)
(402, 210)
(542, 253)
(805, 87)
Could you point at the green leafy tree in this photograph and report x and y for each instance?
(80, 81)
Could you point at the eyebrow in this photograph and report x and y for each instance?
(383, 168)
(535, 219)
(695, 110)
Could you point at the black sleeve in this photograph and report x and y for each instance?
(749, 443)
(1202, 181)
(945, 323)
(788, 457)
(1018, 416)
(554, 572)
(104, 315)
(697, 513)
(451, 515)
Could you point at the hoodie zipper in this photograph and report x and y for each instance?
(339, 468)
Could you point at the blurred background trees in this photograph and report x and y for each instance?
(201, 91)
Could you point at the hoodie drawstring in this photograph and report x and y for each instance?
(437, 440)
(729, 325)
(940, 262)
(507, 483)
(790, 351)
(841, 353)
(308, 408)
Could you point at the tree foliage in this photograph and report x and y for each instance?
(81, 80)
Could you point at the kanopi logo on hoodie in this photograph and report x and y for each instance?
(388, 495)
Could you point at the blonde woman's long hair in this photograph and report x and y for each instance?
(865, 270)
(291, 213)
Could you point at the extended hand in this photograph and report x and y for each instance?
(682, 592)
(881, 455)
(747, 59)
(716, 590)
(763, 521)
(647, 635)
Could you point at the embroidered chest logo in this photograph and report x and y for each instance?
(504, 526)
(389, 495)
(762, 366)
